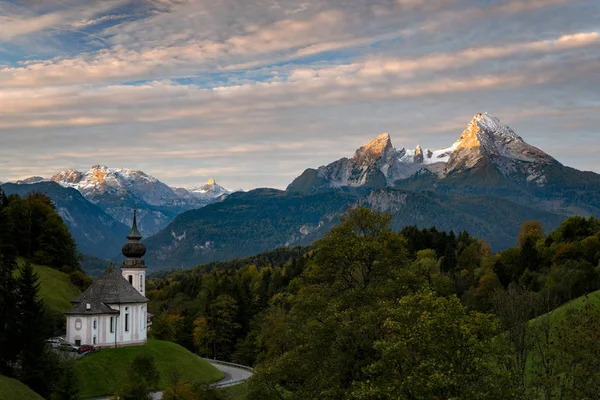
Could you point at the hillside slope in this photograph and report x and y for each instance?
(12, 389)
(103, 372)
(245, 224)
(56, 289)
(250, 223)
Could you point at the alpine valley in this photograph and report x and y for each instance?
(488, 183)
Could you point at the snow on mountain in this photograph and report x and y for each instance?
(118, 182)
(486, 136)
(209, 191)
(116, 190)
(31, 180)
(379, 164)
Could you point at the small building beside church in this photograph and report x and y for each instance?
(113, 311)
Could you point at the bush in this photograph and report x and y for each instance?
(81, 280)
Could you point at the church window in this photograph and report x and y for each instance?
(112, 324)
(78, 324)
(126, 322)
(94, 324)
(94, 340)
(130, 277)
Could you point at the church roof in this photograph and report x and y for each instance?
(110, 288)
(95, 307)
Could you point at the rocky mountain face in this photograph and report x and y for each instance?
(487, 182)
(116, 190)
(376, 165)
(488, 158)
(94, 231)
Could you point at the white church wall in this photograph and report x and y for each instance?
(136, 277)
(128, 328)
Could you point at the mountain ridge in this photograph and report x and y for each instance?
(117, 190)
(488, 182)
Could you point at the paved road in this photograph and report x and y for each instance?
(233, 376)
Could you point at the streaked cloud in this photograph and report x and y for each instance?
(255, 91)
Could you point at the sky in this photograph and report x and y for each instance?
(252, 92)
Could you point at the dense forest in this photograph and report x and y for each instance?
(32, 231)
(367, 313)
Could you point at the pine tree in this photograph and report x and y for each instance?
(8, 289)
(8, 313)
(33, 358)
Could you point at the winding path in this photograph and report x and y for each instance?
(234, 375)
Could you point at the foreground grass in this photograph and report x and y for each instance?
(554, 319)
(12, 389)
(103, 372)
(56, 289)
(237, 392)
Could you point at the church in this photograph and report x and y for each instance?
(113, 311)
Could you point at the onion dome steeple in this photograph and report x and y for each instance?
(134, 234)
(134, 250)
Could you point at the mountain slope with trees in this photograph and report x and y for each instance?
(30, 228)
(249, 223)
(359, 313)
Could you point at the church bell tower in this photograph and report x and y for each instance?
(134, 268)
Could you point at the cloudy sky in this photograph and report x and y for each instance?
(252, 92)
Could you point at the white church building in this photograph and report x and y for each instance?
(113, 311)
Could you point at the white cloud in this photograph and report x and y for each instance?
(272, 87)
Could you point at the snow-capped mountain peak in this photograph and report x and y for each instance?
(379, 164)
(487, 136)
(211, 187)
(118, 183)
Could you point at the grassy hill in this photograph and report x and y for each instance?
(236, 392)
(56, 289)
(558, 315)
(102, 373)
(555, 318)
(12, 389)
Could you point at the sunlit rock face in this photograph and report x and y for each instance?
(486, 136)
(379, 164)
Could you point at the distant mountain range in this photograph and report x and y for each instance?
(488, 182)
(116, 190)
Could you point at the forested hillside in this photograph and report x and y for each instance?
(367, 313)
(31, 230)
